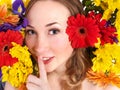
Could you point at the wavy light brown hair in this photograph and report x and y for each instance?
(79, 62)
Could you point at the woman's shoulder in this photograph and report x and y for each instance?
(88, 85)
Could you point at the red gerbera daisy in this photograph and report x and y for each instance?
(97, 16)
(83, 32)
(106, 30)
(5, 44)
(107, 33)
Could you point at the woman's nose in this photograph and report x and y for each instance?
(41, 45)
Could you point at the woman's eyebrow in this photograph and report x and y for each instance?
(30, 26)
(50, 24)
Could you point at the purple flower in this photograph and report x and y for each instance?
(4, 27)
(115, 39)
(0, 73)
(23, 22)
(16, 5)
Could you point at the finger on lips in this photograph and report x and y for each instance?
(42, 70)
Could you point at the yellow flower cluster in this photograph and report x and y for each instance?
(109, 7)
(107, 59)
(106, 63)
(26, 2)
(18, 73)
(7, 2)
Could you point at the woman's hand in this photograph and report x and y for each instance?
(8, 86)
(38, 83)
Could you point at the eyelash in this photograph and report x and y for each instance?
(29, 32)
(50, 32)
(54, 31)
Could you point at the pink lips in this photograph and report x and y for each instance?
(48, 61)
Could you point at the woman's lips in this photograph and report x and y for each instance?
(47, 60)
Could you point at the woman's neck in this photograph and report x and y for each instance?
(54, 80)
(56, 77)
(60, 70)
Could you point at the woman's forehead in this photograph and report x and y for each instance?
(49, 6)
(49, 11)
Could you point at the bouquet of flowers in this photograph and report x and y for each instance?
(99, 31)
(101, 36)
(105, 55)
(15, 61)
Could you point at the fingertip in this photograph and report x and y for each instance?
(40, 64)
(42, 70)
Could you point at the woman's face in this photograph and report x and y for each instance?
(46, 35)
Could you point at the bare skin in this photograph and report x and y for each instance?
(47, 43)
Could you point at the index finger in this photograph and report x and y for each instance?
(42, 70)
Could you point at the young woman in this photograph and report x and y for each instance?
(61, 67)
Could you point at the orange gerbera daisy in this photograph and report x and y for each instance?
(22, 87)
(5, 18)
(103, 79)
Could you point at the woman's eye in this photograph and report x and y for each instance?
(54, 31)
(30, 32)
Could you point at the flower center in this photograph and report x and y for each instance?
(114, 61)
(82, 30)
(5, 48)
